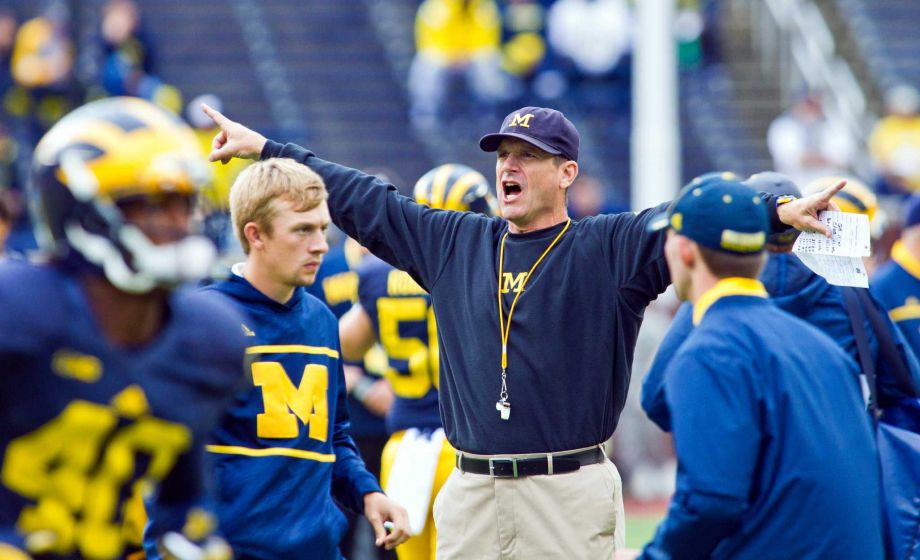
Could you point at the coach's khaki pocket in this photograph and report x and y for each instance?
(616, 495)
(437, 507)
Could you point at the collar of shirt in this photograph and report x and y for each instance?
(724, 288)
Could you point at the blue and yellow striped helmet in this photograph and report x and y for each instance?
(104, 153)
(453, 186)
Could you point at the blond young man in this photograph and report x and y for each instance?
(282, 451)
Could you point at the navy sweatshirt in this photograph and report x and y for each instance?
(282, 451)
(573, 331)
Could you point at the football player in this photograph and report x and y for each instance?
(113, 373)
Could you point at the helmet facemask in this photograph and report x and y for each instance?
(96, 229)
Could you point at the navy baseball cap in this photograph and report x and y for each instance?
(720, 214)
(727, 175)
(778, 184)
(547, 129)
(912, 211)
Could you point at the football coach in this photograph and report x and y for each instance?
(537, 320)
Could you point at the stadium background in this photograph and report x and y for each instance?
(334, 75)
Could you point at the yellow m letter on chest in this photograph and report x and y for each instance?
(285, 404)
(513, 283)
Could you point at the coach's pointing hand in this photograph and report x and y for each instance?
(802, 214)
(233, 140)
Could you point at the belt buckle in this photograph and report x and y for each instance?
(501, 460)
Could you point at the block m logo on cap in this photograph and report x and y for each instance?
(518, 120)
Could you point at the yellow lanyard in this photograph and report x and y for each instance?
(504, 327)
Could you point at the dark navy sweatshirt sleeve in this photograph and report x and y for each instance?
(409, 236)
(776, 226)
(636, 257)
(350, 477)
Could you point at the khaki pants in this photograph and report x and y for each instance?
(571, 516)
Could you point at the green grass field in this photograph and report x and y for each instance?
(641, 521)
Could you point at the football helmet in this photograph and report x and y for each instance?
(453, 186)
(109, 152)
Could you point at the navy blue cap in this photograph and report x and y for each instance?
(912, 211)
(772, 182)
(547, 129)
(720, 214)
(778, 184)
(727, 175)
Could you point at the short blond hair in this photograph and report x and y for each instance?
(254, 194)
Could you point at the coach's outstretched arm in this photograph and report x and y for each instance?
(235, 140)
(409, 236)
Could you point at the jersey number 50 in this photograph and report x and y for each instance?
(421, 359)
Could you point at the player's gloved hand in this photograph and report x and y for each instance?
(197, 540)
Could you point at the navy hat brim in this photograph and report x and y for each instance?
(491, 142)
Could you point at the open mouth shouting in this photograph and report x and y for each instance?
(511, 191)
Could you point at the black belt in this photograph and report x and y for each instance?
(509, 467)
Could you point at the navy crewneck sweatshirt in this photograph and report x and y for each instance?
(573, 331)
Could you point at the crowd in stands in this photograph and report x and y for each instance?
(46, 71)
(513, 52)
(807, 146)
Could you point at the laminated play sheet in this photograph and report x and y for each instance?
(839, 259)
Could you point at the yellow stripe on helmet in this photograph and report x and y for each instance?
(439, 185)
(458, 191)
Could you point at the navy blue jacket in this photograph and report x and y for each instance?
(336, 285)
(794, 288)
(897, 285)
(776, 456)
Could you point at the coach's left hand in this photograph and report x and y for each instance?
(378, 508)
(802, 214)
